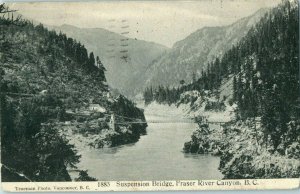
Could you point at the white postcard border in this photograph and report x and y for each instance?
(172, 185)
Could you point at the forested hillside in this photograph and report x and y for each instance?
(48, 81)
(264, 68)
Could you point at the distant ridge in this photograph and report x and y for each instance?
(124, 58)
(193, 53)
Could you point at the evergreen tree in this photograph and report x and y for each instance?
(91, 59)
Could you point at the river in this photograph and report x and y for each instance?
(156, 156)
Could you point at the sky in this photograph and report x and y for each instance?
(163, 22)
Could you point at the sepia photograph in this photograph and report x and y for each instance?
(149, 95)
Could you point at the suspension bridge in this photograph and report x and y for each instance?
(116, 119)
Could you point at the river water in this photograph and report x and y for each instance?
(156, 156)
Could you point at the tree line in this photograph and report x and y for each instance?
(264, 67)
(33, 59)
(161, 94)
(75, 50)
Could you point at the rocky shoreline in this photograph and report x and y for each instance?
(240, 144)
(243, 154)
(93, 128)
(204, 141)
(104, 138)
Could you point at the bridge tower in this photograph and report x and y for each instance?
(112, 122)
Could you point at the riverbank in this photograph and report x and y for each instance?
(94, 135)
(245, 154)
(240, 145)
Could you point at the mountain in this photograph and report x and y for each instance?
(193, 53)
(264, 69)
(53, 92)
(253, 90)
(124, 58)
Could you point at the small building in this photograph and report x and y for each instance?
(43, 92)
(96, 108)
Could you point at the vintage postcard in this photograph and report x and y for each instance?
(149, 95)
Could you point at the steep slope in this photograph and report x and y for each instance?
(246, 104)
(263, 138)
(123, 68)
(48, 84)
(192, 54)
